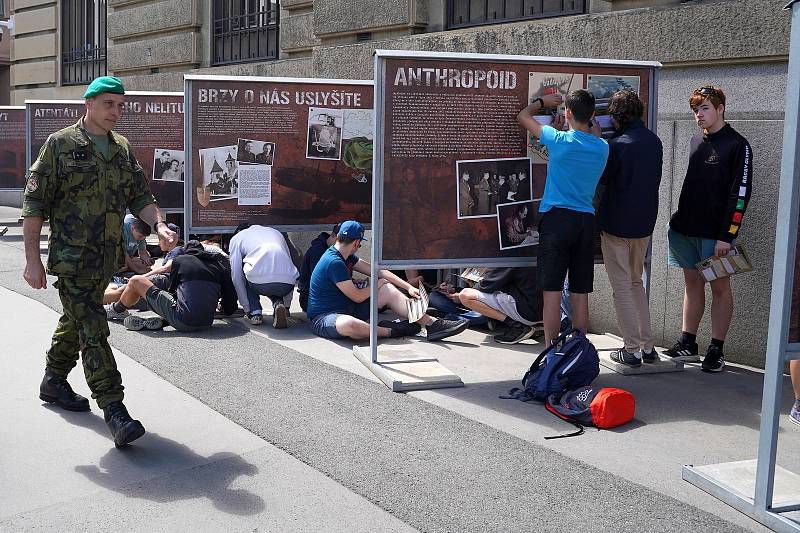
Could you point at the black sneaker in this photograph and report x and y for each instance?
(651, 357)
(443, 328)
(401, 328)
(515, 332)
(626, 358)
(714, 361)
(683, 351)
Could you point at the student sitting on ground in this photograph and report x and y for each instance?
(337, 308)
(261, 265)
(135, 231)
(196, 283)
(510, 296)
(322, 242)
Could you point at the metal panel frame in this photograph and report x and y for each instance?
(779, 350)
(377, 260)
(187, 144)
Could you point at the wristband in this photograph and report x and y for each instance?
(156, 223)
(541, 102)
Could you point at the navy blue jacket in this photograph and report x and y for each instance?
(629, 205)
(310, 260)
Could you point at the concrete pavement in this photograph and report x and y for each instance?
(193, 470)
(459, 459)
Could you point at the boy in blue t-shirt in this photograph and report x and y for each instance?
(338, 308)
(566, 231)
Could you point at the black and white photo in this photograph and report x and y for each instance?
(324, 133)
(518, 224)
(220, 172)
(168, 164)
(483, 184)
(253, 151)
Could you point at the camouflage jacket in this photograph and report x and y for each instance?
(85, 197)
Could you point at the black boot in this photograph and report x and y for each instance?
(123, 428)
(55, 389)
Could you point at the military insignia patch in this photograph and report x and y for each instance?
(33, 183)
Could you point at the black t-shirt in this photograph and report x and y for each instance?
(717, 187)
(198, 285)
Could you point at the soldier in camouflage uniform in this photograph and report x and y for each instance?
(82, 181)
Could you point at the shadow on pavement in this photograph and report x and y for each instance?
(730, 398)
(181, 474)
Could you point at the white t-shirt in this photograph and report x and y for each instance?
(260, 254)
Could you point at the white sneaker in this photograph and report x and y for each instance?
(112, 314)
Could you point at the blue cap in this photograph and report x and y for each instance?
(352, 229)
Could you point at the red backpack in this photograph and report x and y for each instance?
(601, 407)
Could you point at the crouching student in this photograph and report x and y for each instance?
(186, 299)
(337, 308)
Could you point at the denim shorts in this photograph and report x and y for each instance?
(685, 251)
(324, 325)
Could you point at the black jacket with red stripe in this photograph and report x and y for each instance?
(717, 187)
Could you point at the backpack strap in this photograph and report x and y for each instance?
(578, 425)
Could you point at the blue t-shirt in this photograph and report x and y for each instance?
(323, 294)
(132, 246)
(576, 162)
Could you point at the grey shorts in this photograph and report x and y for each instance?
(504, 303)
(164, 303)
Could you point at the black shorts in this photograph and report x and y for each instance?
(566, 244)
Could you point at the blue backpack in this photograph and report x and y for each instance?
(570, 362)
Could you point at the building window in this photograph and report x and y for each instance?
(244, 30)
(464, 13)
(83, 41)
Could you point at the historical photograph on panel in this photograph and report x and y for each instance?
(167, 164)
(541, 84)
(603, 87)
(324, 133)
(518, 224)
(483, 184)
(252, 151)
(357, 140)
(220, 174)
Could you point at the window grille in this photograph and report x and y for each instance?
(464, 13)
(83, 41)
(244, 31)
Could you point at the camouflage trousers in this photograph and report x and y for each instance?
(83, 328)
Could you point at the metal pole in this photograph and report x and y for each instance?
(377, 204)
(188, 177)
(782, 276)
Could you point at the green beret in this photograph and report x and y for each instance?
(104, 84)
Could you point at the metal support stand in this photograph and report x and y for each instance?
(748, 487)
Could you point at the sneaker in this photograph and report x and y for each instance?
(153, 323)
(112, 314)
(794, 414)
(134, 322)
(682, 351)
(256, 319)
(650, 358)
(491, 324)
(280, 316)
(515, 332)
(714, 361)
(401, 328)
(443, 328)
(626, 358)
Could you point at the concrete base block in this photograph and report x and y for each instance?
(607, 343)
(740, 477)
(406, 369)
